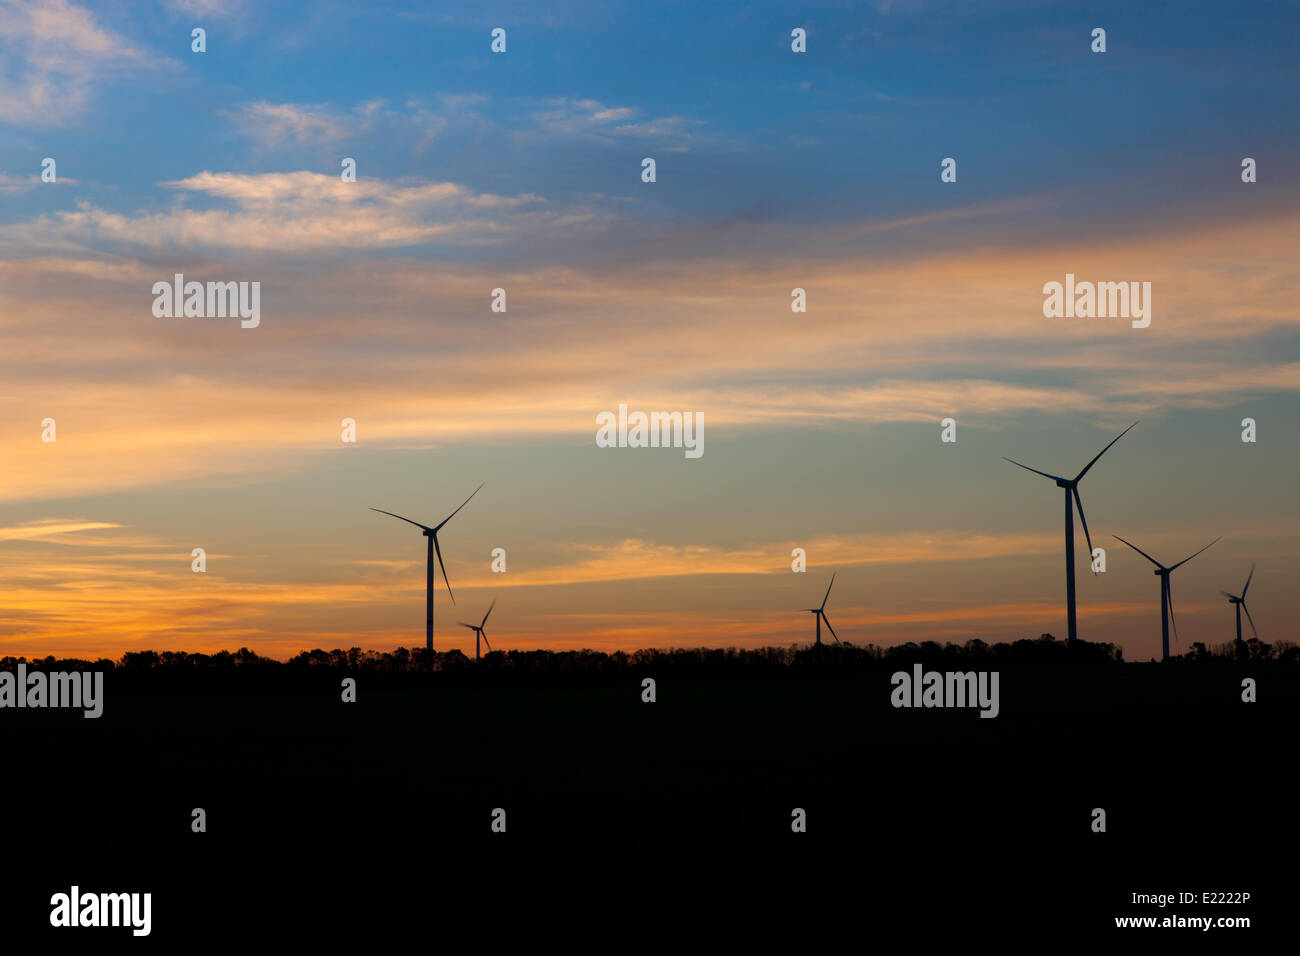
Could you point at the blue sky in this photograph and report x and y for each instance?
(851, 129)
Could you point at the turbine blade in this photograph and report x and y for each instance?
(1249, 618)
(485, 640)
(828, 592)
(1230, 597)
(1247, 587)
(831, 629)
(490, 607)
(1169, 595)
(438, 551)
(1140, 551)
(462, 505)
(1190, 556)
(1034, 470)
(472, 627)
(400, 518)
(1078, 502)
(1104, 450)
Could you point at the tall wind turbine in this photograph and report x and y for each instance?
(1240, 601)
(1166, 596)
(479, 634)
(820, 615)
(433, 549)
(1071, 486)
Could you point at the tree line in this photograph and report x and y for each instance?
(1045, 650)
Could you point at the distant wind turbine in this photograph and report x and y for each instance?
(479, 633)
(1071, 486)
(820, 615)
(433, 549)
(1240, 601)
(1166, 596)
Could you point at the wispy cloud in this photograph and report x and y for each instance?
(51, 529)
(592, 119)
(635, 559)
(272, 124)
(420, 120)
(895, 342)
(21, 184)
(212, 9)
(299, 212)
(53, 56)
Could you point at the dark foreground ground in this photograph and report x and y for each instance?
(667, 822)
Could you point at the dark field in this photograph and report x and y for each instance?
(349, 810)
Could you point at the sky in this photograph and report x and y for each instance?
(522, 170)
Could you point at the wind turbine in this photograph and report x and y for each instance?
(820, 615)
(1166, 596)
(478, 631)
(1071, 486)
(433, 549)
(1240, 601)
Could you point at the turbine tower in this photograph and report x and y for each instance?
(479, 633)
(820, 615)
(1240, 602)
(1071, 486)
(1166, 596)
(433, 549)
